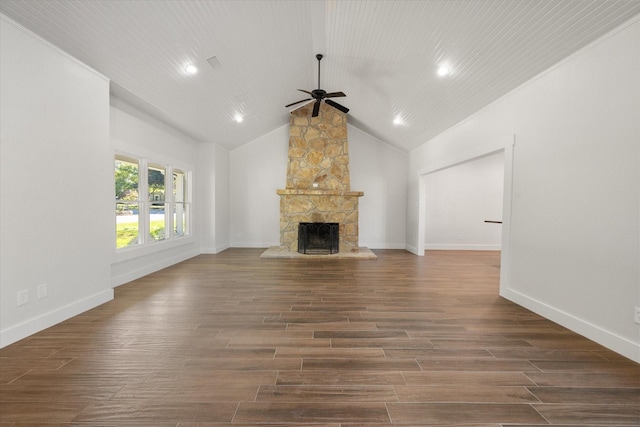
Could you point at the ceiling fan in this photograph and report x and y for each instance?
(320, 95)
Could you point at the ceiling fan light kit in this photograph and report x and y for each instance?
(321, 95)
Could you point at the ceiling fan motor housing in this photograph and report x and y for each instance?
(318, 93)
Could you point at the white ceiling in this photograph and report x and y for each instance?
(382, 54)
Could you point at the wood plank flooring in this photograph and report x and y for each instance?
(232, 339)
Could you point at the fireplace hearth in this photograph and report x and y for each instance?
(318, 237)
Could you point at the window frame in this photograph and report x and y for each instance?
(146, 244)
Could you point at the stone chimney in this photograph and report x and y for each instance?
(318, 185)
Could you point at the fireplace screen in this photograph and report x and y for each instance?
(318, 237)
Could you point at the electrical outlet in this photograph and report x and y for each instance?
(23, 297)
(636, 317)
(42, 291)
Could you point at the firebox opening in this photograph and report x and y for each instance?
(318, 237)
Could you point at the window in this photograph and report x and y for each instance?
(180, 207)
(157, 220)
(127, 202)
(163, 210)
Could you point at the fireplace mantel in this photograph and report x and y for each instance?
(302, 192)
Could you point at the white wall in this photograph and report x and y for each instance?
(574, 246)
(380, 171)
(212, 188)
(56, 183)
(259, 168)
(458, 201)
(256, 171)
(136, 133)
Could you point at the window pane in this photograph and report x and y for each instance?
(157, 221)
(156, 183)
(127, 224)
(127, 207)
(179, 186)
(126, 179)
(180, 216)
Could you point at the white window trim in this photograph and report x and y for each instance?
(145, 244)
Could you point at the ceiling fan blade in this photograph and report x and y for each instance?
(334, 95)
(305, 91)
(297, 102)
(316, 109)
(336, 105)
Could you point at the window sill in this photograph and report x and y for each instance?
(126, 254)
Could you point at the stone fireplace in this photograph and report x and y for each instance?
(318, 188)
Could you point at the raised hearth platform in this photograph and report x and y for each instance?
(278, 252)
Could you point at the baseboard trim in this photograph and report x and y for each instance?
(213, 251)
(253, 245)
(151, 268)
(413, 250)
(383, 245)
(222, 248)
(23, 330)
(608, 339)
(461, 247)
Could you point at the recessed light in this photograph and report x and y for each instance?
(238, 118)
(443, 70)
(191, 69)
(398, 120)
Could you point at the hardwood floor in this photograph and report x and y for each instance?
(232, 339)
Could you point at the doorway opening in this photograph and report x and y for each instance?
(505, 146)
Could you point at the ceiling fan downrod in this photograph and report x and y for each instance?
(319, 58)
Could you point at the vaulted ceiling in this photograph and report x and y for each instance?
(383, 54)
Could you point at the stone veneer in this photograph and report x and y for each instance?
(318, 181)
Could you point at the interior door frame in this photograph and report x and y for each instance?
(505, 144)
